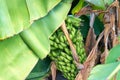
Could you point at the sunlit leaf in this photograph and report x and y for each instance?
(111, 68)
(77, 8)
(105, 71)
(108, 2)
(37, 36)
(39, 8)
(103, 4)
(13, 18)
(97, 3)
(16, 59)
(18, 53)
(17, 15)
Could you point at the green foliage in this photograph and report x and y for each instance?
(25, 28)
(98, 26)
(39, 8)
(110, 68)
(40, 70)
(108, 2)
(40, 30)
(84, 27)
(113, 55)
(19, 15)
(103, 4)
(16, 59)
(78, 7)
(20, 53)
(105, 71)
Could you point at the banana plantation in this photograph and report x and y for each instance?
(59, 40)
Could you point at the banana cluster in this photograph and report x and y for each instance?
(60, 49)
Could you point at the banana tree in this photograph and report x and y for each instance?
(25, 28)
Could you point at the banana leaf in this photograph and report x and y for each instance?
(113, 57)
(102, 4)
(39, 8)
(105, 71)
(37, 36)
(19, 54)
(16, 59)
(110, 68)
(17, 15)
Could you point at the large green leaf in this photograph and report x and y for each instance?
(13, 17)
(17, 54)
(97, 3)
(17, 15)
(37, 36)
(108, 2)
(113, 57)
(109, 68)
(39, 8)
(105, 71)
(103, 4)
(16, 59)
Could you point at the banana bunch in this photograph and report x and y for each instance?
(60, 49)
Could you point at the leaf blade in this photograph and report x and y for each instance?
(18, 16)
(113, 54)
(15, 64)
(45, 27)
(97, 72)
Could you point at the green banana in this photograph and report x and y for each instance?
(60, 49)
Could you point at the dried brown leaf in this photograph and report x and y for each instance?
(114, 4)
(53, 70)
(108, 28)
(113, 35)
(106, 35)
(88, 65)
(104, 55)
(118, 23)
(74, 53)
(115, 41)
(90, 61)
(107, 31)
(85, 10)
(91, 37)
(118, 16)
(90, 40)
(79, 76)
